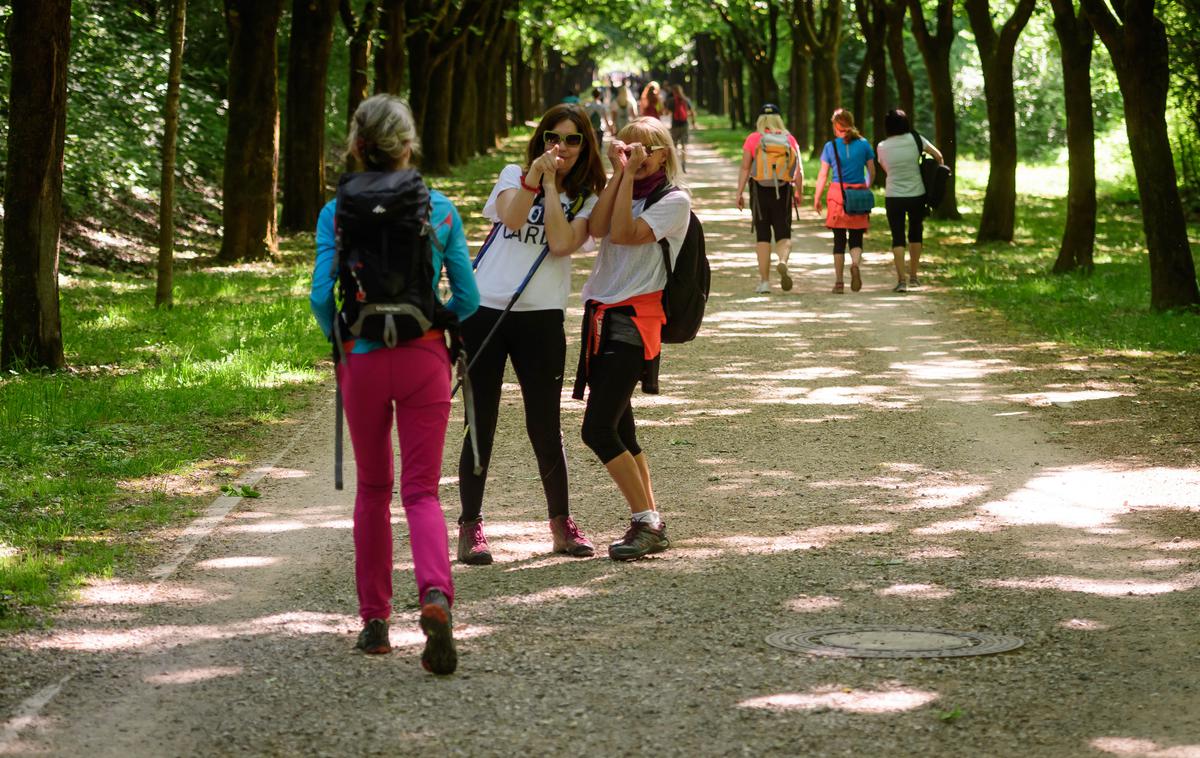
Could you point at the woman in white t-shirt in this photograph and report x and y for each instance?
(624, 313)
(905, 194)
(545, 204)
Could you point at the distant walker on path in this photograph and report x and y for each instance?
(851, 156)
(901, 159)
(771, 165)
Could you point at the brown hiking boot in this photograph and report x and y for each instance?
(640, 540)
(568, 539)
(473, 547)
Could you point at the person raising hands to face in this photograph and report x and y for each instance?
(543, 203)
(642, 217)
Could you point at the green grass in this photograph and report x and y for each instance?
(1108, 310)
(159, 408)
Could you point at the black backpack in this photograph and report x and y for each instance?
(933, 175)
(686, 292)
(384, 261)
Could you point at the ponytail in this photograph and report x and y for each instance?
(845, 119)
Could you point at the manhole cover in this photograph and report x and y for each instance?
(891, 642)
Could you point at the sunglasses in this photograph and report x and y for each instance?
(574, 139)
(650, 149)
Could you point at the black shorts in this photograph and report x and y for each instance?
(771, 213)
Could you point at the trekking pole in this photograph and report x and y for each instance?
(512, 301)
(337, 438)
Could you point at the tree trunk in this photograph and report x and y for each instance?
(390, 63)
(798, 107)
(872, 17)
(493, 86)
(1076, 38)
(304, 124)
(420, 61)
(821, 110)
(737, 93)
(436, 132)
(1139, 52)
(996, 51)
(905, 89)
(359, 29)
(537, 75)
(935, 51)
(522, 84)
(551, 79)
(39, 43)
(997, 222)
(859, 104)
(166, 195)
(252, 140)
(464, 106)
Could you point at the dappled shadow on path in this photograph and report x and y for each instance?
(819, 460)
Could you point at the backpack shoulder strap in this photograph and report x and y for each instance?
(920, 145)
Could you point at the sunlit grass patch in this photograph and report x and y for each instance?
(1107, 310)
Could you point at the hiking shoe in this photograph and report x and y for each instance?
(373, 639)
(855, 279)
(472, 545)
(640, 540)
(568, 539)
(913, 282)
(762, 288)
(839, 288)
(901, 286)
(785, 279)
(439, 657)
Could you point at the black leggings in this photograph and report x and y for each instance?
(839, 240)
(771, 213)
(608, 427)
(537, 344)
(897, 209)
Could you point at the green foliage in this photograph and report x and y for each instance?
(1037, 75)
(1183, 26)
(154, 398)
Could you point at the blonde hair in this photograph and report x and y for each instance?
(381, 130)
(770, 122)
(650, 131)
(845, 119)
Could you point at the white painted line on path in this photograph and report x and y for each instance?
(30, 709)
(27, 713)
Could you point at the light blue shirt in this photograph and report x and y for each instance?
(447, 225)
(854, 159)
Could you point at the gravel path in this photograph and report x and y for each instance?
(820, 460)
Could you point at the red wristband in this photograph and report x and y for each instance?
(525, 186)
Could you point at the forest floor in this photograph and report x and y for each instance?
(868, 458)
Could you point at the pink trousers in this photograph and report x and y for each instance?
(411, 382)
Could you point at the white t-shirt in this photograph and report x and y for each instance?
(512, 254)
(898, 156)
(622, 271)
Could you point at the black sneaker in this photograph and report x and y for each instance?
(373, 639)
(440, 656)
(640, 540)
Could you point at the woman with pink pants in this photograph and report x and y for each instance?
(410, 384)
